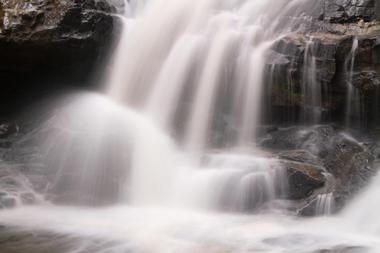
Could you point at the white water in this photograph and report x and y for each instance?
(200, 60)
(311, 87)
(146, 151)
(126, 229)
(325, 204)
(353, 111)
(188, 68)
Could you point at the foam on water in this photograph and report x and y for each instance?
(177, 230)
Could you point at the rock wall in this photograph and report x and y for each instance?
(328, 45)
(343, 11)
(48, 42)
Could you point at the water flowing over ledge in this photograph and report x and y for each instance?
(175, 155)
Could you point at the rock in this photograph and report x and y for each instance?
(303, 180)
(314, 140)
(346, 11)
(7, 129)
(351, 164)
(287, 74)
(311, 152)
(301, 156)
(328, 42)
(54, 42)
(367, 81)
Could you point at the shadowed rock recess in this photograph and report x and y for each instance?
(44, 43)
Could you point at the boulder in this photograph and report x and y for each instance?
(351, 163)
(303, 179)
(310, 154)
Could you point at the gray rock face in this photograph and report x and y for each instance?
(312, 153)
(54, 32)
(289, 66)
(345, 11)
(46, 41)
(303, 180)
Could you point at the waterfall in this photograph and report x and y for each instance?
(353, 110)
(325, 204)
(212, 49)
(167, 159)
(195, 70)
(178, 124)
(311, 87)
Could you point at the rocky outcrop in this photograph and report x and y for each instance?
(323, 56)
(46, 41)
(322, 160)
(303, 179)
(344, 11)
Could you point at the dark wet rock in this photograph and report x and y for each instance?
(46, 42)
(301, 156)
(313, 140)
(303, 179)
(8, 129)
(346, 11)
(287, 69)
(312, 152)
(329, 43)
(367, 81)
(351, 164)
(73, 29)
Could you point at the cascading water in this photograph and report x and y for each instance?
(174, 107)
(353, 110)
(204, 76)
(325, 204)
(311, 87)
(208, 65)
(175, 134)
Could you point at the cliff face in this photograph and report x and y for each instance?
(343, 11)
(48, 40)
(340, 55)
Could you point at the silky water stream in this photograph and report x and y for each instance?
(165, 160)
